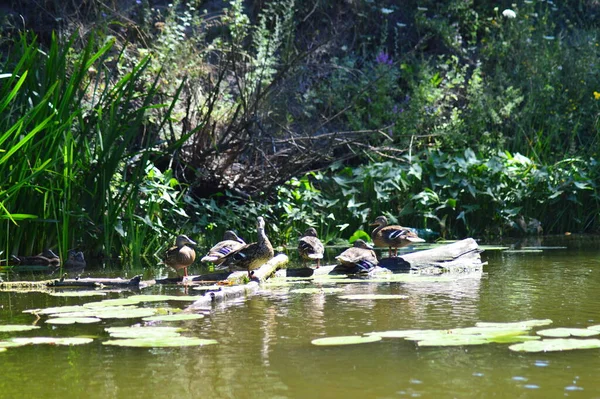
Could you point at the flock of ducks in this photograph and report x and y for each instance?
(234, 254)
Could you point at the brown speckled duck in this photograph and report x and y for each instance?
(253, 255)
(392, 236)
(310, 247)
(231, 244)
(181, 255)
(360, 255)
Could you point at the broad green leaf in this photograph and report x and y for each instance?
(73, 320)
(563, 332)
(345, 340)
(160, 342)
(143, 332)
(16, 327)
(174, 317)
(555, 345)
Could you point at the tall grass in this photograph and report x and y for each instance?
(76, 142)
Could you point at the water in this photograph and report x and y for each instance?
(264, 348)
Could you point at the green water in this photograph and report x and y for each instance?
(264, 348)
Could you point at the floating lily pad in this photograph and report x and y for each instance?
(113, 312)
(372, 296)
(52, 341)
(562, 332)
(73, 320)
(10, 344)
(163, 298)
(16, 327)
(316, 290)
(174, 317)
(55, 310)
(77, 293)
(457, 340)
(3, 349)
(403, 333)
(161, 342)
(143, 332)
(111, 303)
(518, 324)
(555, 345)
(345, 340)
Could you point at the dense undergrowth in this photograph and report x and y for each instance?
(462, 118)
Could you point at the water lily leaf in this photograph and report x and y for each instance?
(345, 340)
(509, 339)
(563, 332)
(162, 298)
(517, 324)
(110, 303)
(373, 296)
(143, 332)
(55, 310)
(161, 342)
(316, 290)
(454, 340)
(3, 349)
(78, 293)
(174, 317)
(113, 312)
(555, 345)
(73, 320)
(404, 333)
(16, 327)
(52, 341)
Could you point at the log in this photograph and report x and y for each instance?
(227, 293)
(461, 256)
(97, 282)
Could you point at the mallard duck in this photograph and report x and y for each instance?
(360, 255)
(310, 247)
(231, 243)
(392, 236)
(181, 255)
(253, 255)
(75, 260)
(45, 258)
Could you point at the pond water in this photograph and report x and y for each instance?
(264, 345)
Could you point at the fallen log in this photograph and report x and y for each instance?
(461, 256)
(97, 282)
(236, 291)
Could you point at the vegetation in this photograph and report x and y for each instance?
(123, 126)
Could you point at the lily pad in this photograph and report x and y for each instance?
(562, 332)
(518, 324)
(52, 341)
(403, 333)
(3, 349)
(373, 296)
(55, 310)
(77, 293)
(316, 290)
(161, 342)
(175, 317)
(143, 332)
(16, 327)
(345, 340)
(110, 303)
(457, 340)
(555, 345)
(163, 298)
(73, 320)
(113, 312)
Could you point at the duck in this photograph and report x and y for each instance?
(360, 255)
(218, 253)
(252, 256)
(310, 247)
(392, 236)
(181, 255)
(46, 258)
